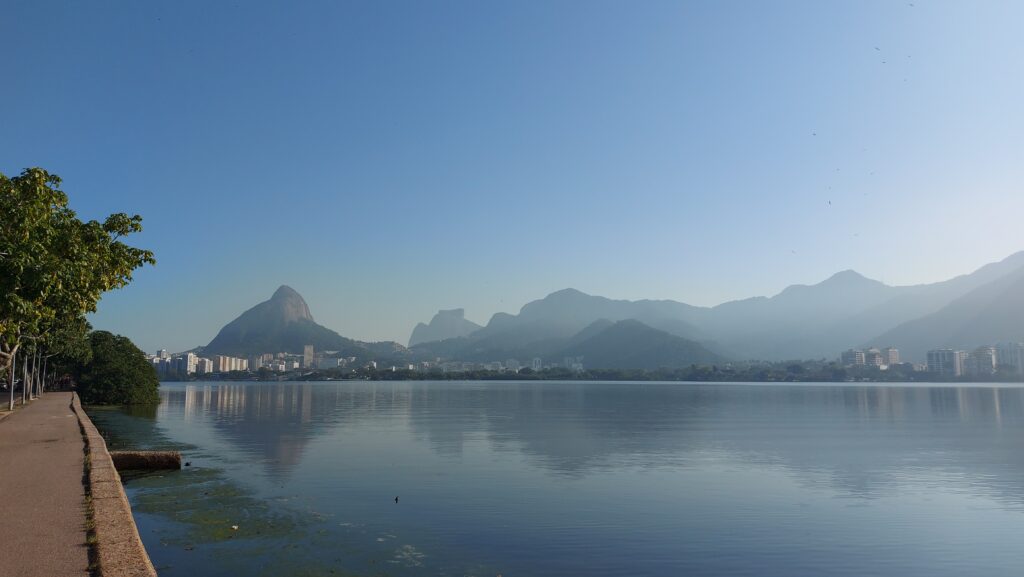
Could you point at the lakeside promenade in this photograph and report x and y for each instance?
(43, 517)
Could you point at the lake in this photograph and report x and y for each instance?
(580, 478)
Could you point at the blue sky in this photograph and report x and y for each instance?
(387, 159)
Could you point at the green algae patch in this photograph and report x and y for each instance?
(199, 506)
(122, 430)
(211, 508)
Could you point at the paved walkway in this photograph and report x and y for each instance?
(42, 509)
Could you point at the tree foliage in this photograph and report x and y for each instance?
(54, 267)
(117, 373)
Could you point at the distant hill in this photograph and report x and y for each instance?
(989, 314)
(446, 324)
(630, 344)
(564, 313)
(801, 322)
(284, 324)
(544, 327)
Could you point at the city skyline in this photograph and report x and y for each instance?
(700, 153)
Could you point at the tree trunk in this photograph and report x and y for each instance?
(32, 376)
(11, 383)
(39, 374)
(8, 359)
(42, 383)
(24, 381)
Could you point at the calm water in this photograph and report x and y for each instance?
(581, 479)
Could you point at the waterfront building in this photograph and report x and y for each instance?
(537, 364)
(324, 363)
(185, 364)
(226, 364)
(874, 358)
(163, 354)
(1010, 357)
(204, 366)
(891, 356)
(307, 357)
(981, 362)
(946, 362)
(852, 357)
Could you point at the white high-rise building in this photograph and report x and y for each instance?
(225, 364)
(204, 366)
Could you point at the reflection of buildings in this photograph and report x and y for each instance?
(273, 422)
(577, 429)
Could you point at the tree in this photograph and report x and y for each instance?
(117, 374)
(54, 267)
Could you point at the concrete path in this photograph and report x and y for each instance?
(42, 507)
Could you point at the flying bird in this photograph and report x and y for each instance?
(396, 499)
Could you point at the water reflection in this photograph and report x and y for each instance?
(856, 434)
(614, 478)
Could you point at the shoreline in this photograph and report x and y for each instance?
(116, 542)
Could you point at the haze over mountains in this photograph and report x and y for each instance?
(801, 322)
(448, 324)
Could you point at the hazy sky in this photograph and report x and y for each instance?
(389, 159)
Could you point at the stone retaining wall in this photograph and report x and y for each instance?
(119, 549)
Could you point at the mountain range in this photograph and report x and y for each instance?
(801, 322)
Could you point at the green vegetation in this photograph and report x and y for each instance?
(117, 373)
(811, 371)
(53, 270)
